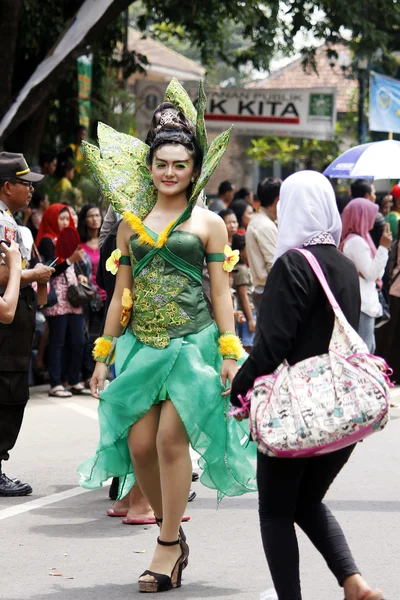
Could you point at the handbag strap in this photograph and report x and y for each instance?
(314, 264)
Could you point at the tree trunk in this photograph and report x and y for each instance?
(41, 92)
(27, 138)
(9, 20)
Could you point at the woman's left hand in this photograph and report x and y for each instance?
(229, 369)
(83, 279)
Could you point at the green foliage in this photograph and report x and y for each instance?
(115, 105)
(271, 26)
(313, 154)
(230, 38)
(207, 25)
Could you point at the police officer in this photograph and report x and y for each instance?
(16, 189)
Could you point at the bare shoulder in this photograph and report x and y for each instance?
(210, 219)
(124, 234)
(125, 230)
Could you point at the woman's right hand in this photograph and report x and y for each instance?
(98, 379)
(12, 255)
(387, 238)
(77, 255)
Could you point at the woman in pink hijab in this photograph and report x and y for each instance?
(358, 219)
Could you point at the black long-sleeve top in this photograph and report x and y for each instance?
(296, 319)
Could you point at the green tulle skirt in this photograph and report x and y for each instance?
(187, 372)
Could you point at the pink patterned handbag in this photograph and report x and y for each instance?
(322, 403)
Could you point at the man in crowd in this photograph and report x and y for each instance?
(225, 197)
(261, 235)
(48, 163)
(364, 188)
(16, 189)
(47, 167)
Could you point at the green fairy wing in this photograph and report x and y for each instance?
(210, 162)
(120, 170)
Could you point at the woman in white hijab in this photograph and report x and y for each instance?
(295, 323)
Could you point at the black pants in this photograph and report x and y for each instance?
(11, 416)
(291, 491)
(66, 340)
(15, 356)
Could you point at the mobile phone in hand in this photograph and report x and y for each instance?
(6, 242)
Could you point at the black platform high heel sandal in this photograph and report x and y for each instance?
(182, 536)
(164, 583)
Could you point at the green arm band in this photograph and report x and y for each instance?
(215, 257)
(125, 260)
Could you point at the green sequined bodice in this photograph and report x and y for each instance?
(168, 302)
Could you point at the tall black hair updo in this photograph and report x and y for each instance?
(171, 126)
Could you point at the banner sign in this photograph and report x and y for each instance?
(384, 103)
(294, 113)
(84, 88)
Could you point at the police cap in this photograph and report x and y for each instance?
(14, 166)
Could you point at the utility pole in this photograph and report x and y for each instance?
(362, 71)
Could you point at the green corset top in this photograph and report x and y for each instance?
(168, 297)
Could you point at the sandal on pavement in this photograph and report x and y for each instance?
(60, 392)
(182, 536)
(162, 582)
(79, 389)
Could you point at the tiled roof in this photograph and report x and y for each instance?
(293, 76)
(163, 60)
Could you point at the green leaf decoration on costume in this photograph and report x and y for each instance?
(201, 130)
(120, 170)
(210, 162)
(179, 97)
(154, 306)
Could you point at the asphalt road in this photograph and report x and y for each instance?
(58, 544)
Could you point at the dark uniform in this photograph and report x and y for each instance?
(15, 338)
(15, 349)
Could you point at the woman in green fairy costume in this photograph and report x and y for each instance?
(174, 364)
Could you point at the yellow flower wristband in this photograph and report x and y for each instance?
(103, 350)
(230, 345)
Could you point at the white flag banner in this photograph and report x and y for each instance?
(87, 16)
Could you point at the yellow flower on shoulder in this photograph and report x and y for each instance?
(127, 304)
(112, 262)
(231, 258)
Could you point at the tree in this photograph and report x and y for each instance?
(312, 154)
(271, 26)
(30, 28)
(33, 28)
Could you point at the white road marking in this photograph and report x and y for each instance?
(82, 410)
(13, 511)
